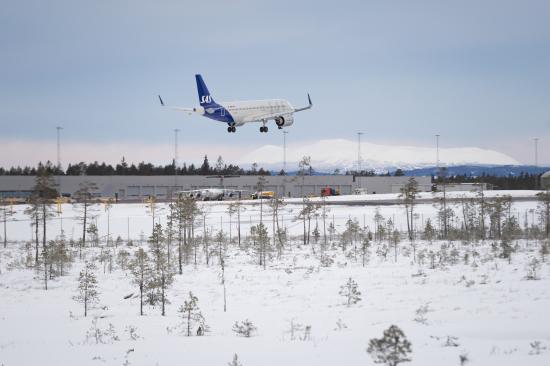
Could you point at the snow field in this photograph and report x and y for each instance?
(495, 317)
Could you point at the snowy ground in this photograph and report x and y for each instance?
(490, 307)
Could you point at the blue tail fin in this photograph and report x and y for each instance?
(205, 98)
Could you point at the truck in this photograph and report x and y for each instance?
(263, 194)
(328, 191)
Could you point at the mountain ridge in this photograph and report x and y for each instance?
(341, 154)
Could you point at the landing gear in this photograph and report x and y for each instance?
(264, 127)
(231, 129)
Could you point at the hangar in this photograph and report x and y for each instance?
(134, 188)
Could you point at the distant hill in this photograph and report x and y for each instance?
(339, 154)
(478, 170)
(468, 170)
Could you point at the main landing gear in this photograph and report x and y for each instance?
(231, 129)
(264, 127)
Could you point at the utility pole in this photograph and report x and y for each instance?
(284, 151)
(536, 140)
(58, 128)
(284, 163)
(536, 151)
(58, 131)
(176, 157)
(437, 151)
(359, 167)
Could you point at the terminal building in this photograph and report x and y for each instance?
(135, 188)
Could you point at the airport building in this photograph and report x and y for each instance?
(135, 188)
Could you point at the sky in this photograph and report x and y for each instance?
(475, 72)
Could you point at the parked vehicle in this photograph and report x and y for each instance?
(263, 194)
(327, 191)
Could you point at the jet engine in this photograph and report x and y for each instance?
(284, 121)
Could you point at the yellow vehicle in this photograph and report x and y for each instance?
(263, 194)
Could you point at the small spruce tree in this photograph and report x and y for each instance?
(192, 316)
(235, 361)
(392, 349)
(87, 287)
(244, 328)
(141, 273)
(350, 292)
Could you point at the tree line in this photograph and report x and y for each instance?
(143, 168)
(509, 182)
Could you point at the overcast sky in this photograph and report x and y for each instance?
(476, 72)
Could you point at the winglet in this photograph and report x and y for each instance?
(161, 102)
(304, 108)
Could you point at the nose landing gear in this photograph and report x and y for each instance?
(231, 129)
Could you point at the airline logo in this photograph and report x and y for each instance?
(206, 99)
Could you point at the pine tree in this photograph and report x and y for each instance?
(44, 192)
(409, 193)
(84, 201)
(59, 255)
(192, 316)
(350, 292)
(33, 211)
(205, 167)
(235, 361)
(5, 213)
(162, 275)
(543, 209)
(244, 328)
(156, 245)
(429, 231)
(141, 272)
(236, 208)
(87, 287)
(392, 349)
(93, 231)
(263, 246)
(395, 238)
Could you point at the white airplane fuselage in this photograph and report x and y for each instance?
(238, 113)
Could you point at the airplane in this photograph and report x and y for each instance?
(237, 113)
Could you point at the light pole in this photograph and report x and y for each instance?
(284, 162)
(536, 151)
(58, 132)
(359, 167)
(437, 151)
(284, 151)
(176, 158)
(58, 128)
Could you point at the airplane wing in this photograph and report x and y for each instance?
(304, 108)
(181, 109)
(265, 116)
(258, 117)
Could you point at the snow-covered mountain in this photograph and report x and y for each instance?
(328, 155)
